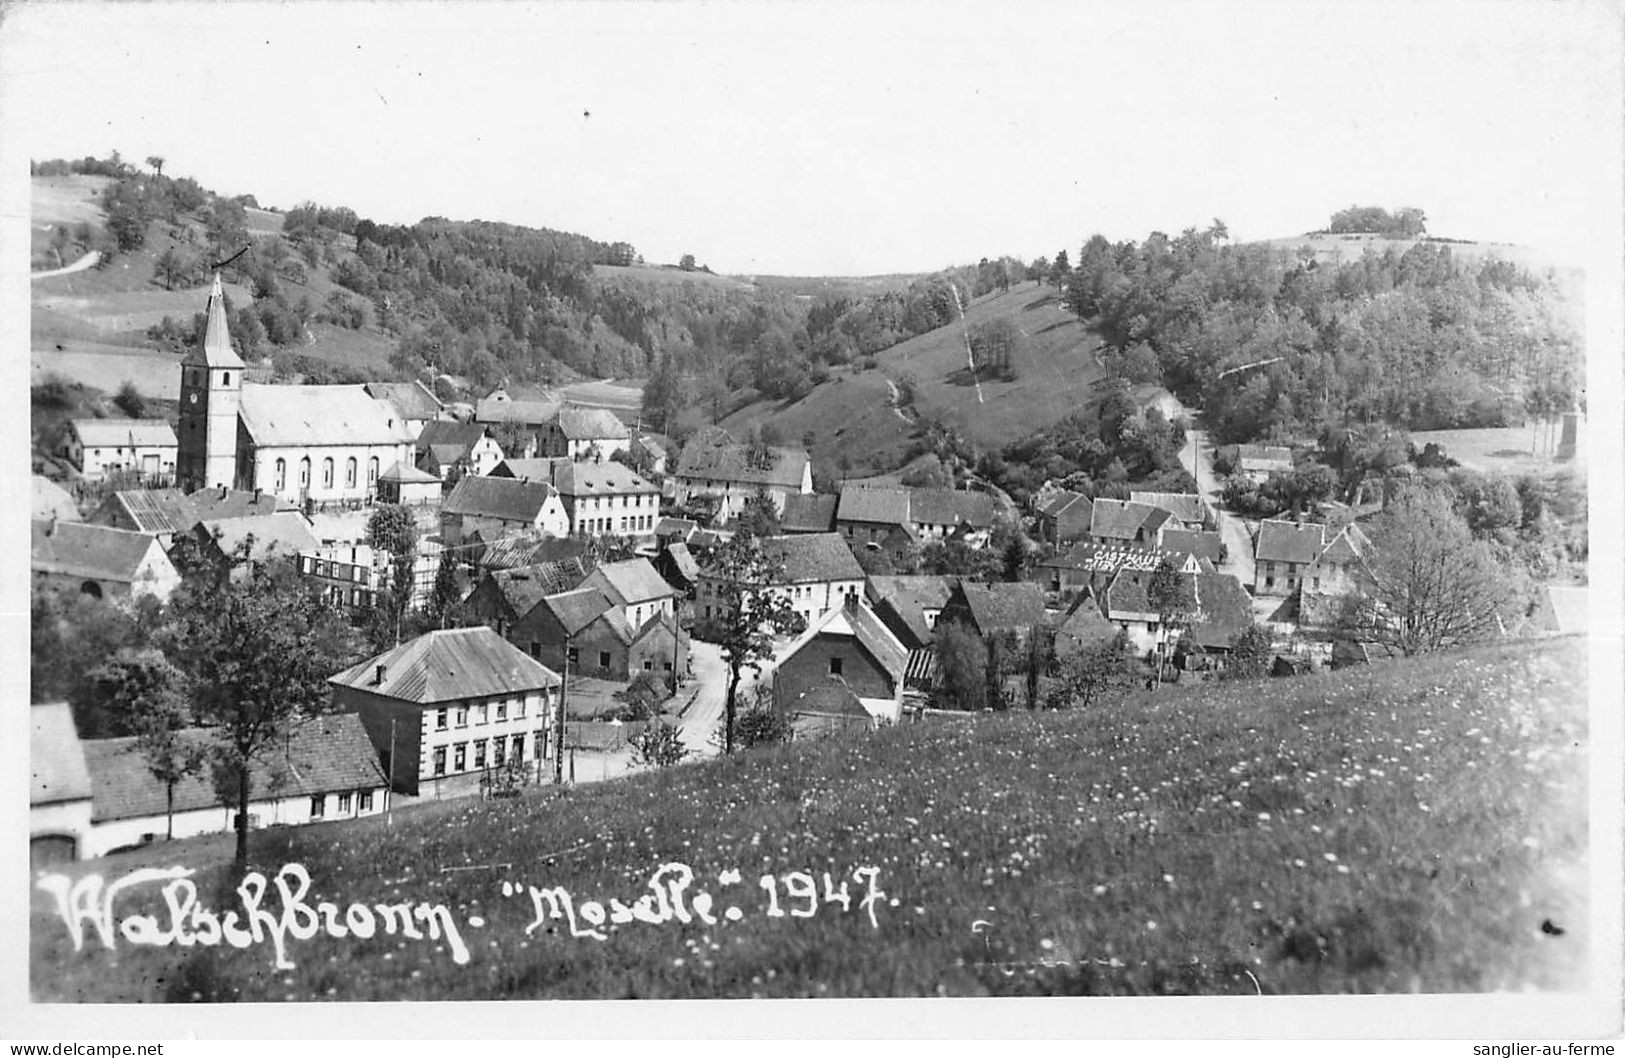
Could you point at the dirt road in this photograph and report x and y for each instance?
(84, 263)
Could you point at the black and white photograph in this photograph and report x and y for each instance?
(694, 501)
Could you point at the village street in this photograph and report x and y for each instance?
(1197, 458)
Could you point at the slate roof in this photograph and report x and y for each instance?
(411, 399)
(709, 459)
(444, 435)
(80, 549)
(1186, 506)
(1225, 607)
(495, 409)
(449, 663)
(808, 512)
(950, 507)
(318, 416)
(859, 622)
(997, 607)
(282, 533)
(406, 474)
(813, 557)
(52, 501)
(161, 511)
(1057, 501)
(901, 603)
(859, 503)
(683, 559)
(326, 754)
(591, 424)
(575, 610)
(608, 478)
(509, 550)
(676, 528)
(832, 697)
(524, 587)
(1128, 595)
(127, 433)
(631, 582)
(1281, 541)
(1264, 457)
(1082, 625)
(504, 498)
(56, 759)
(1201, 543)
(1122, 519)
(215, 350)
(536, 469)
(1349, 545)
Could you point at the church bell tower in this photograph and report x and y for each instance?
(211, 390)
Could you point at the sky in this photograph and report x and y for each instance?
(830, 138)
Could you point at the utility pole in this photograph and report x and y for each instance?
(558, 720)
(389, 794)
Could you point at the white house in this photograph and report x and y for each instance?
(715, 465)
(101, 561)
(142, 447)
(635, 588)
(493, 506)
(59, 792)
(583, 433)
(820, 572)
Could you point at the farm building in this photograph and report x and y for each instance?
(850, 648)
(714, 465)
(502, 505)
(143, 449)
(100, 561)
(59, 790)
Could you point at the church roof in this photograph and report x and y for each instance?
(216, 350)
(319, 416)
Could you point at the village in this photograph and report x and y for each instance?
(590, 605)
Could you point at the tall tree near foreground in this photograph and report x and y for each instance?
(257, 645)
(1090, 673)
(1429, 584)
(962, 658)
(393, 530)
(1170, 596)
(148, 694)
(758, 516)
(750, 618)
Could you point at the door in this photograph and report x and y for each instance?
(50, 850)
(149, 466)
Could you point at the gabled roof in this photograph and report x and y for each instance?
(901, 603)
(575, 610)
(591, 424)
(831, 697)
(808, 512)
(540, 468)
(505, 498)
(1003, 606)
(1349, 545)
(1123, 519)
(318, 416)
(404, 473)
(1128, 595)
(498, 407)
(1186, 506)
(161, 511)
(52, 501)
(856, 620)
(285, 533)
(676, 528)
(683, 559)
(462, 436)
(1281, 541)
(950, 507)
(1082, 624)
(125, 433)
(1057, 501)
(447, 664)
(411, 400)
(524, 587)
(1225, 610)
(1264, 457)
(708, 458)
(813, 557)
(631, 582)
(1089, 557)
(215, 349)
(325, 754)
(99, 552)
(607, 478)
(55, 756)
(859, 503)
(510, 550)
(1198, 542)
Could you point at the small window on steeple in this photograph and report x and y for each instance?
(225, 378)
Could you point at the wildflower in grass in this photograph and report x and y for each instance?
(1331, 857)
(1150, 925)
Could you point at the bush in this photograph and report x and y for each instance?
(52, 392)
(658, 746)
(761, 726)
(130, 402)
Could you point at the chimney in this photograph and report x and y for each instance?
(257, 492)
(851, 602)
(223, 491)
(379, 681)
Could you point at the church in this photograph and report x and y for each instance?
(316, 444)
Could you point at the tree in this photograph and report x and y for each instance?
(393, 530)
(1171, 597)
(172, 264)
(257, 644)
(758, 516)
(446, 596)
(157, 163)
(1430, 585)
(130, 401)
(761, 724)
(658, 745)
(962, 660)
(751, 614)
(1040, 655)
(1090, 673)
(148, 693)
(1060, 271)
(1249, 654)
(686, 263)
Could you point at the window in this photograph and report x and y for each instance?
(603, 659)
(479, 753)
(459, 760)
(1317, 583)
(372, 470)
(668, 666)
(349, 472)
(304, 472)
(440, 761)
(225, 379)
(344, 804)
(281, 474)
(574, 656)
(648, 665)
(519, 707)
(318, 806)
(481, 712)
(462, 716)
(440, 720)
(366, 801)
(327, 473)
(519, 749)
(535, 649)
(502, 710)
(499, 751)
(835, 666)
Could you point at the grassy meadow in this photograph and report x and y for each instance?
(1402, 827)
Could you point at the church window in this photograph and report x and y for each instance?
(225, 378)
(281, 474)
(372, 470)
(304, 472)
(327, 473)
(349, 472)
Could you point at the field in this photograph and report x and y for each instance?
(1405, 827)
(1511, 451)
(654, 275)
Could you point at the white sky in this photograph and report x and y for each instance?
(840, 139)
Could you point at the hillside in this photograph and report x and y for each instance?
(1408, 826)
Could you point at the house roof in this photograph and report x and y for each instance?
(1123, 519)
(607, 478)
(950, 507)
(215, 349)
(444, 433)
(631, 582)
(858, 621)
(406, 474)
(284, 532)
(812, 557)
(1224, 607)
(1082, 624)
(56, 758)
(1186, 506)
(1198, 542)
(808, 513)
(97, 552)
(1264, 457)
(902, 602)
(524, 587)
(683, 559)
(677, 528)
(325, 754)
(591, 424)
(711, 459)
(412, 400)
(449, 663)
(116, 433)
(1056, 501)
(498, 407)
(159, 511)
(52, 501)
(537, 469)
(1280, 541)
(1089, 557)
(832, 697)
(318, 416)
(505, 498)
(996, 607)
(861, 503)
(1349, 545)
(509, 550)
(1128, 594)
(575, 610)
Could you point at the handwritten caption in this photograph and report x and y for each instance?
(88, 908)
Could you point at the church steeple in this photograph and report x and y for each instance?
(216, 350)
